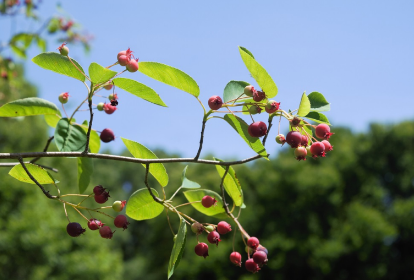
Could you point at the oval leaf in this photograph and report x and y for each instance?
(31, 106)
(318, 117)
(188, 184)
(196, 195)
(318, 102)
(85, 170)
(241, 127)
(139, 90)
(170, 76)
(41, 175)
(52, 120)
(233, 90)
(231, 184)
(141, 205)
(69, 138)
(140, 151)
(100, 74)
(178, 248)
(261, 76)
(304, 106)
(59, 64)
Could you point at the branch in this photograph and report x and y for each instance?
(157, 199)
(46, 193)
(268, 130)
(201, 140)
(89, 128)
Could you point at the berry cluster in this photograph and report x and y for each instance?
(126, 58)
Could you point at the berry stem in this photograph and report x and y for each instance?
(71, 117)
(188, 203)
(112, 65)
(63, 107)
(73, 194)
(201, 103)
(66, 212)
(169, 223)
(80, 213)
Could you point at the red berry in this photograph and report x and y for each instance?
(235, 258)
(305, 141)
(322, 131)
(109, 109)
(223, 227)
(121, 222)
(94, 224)
(64, 97)
(262, 248)
(260, 257)
(251, 266)
(201, 249)
(280, 139)
(259, 96)
(74, 229)
(197, 228)
(98, 189)
(253, 242)
(127, 53)
(63, 50)
(257, 129)
(294, 139)
(102, 198)
(249, 90)
(213, 237)
(317, 149)
(107, 135)
(272, 106)
(300, 153)
(208, 201)
(328, 146)
(106, 232)
(132, 65)
(215, 102)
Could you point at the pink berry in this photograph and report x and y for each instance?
(121, 53)
(272, 106)
(74, 229)
(300, 153)
(280, 139)
(215, 102)
(64, 97)
(253, 242)
(106, 232)
(304, 141)
(294, 139)
(63, 50)
(208, 201)
(132, 65)
(259, 96)
(121, 222)
(98, 190)
(108, 86)
(328, 146)
(118, 205)
(317, 149)
(123, 60)
(107, 135)
(213, 237)
(223, 227)
(322, 131)
(201, 249)
(94, 224)
(260, 257)
(257, 129)
(249, 90)
(235, 258)
(251, 266)
(109, 109)
(127, 53)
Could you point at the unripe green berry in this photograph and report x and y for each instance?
(249, 90)
(197, 228)
(64, 97)
(63, 50)
(280, 139)
(255, 110)
(118, 205)
(209, 228)
(100, 106)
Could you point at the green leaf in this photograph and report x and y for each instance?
(196, 195)
(41, 175)
(52, 120)
(41, 44)
(231, 184)
(100, 74)
(141, 205)
(22, 40)
(31, 106)
(241, 128)
(170, 76)
(94, 139)
(68, 137)
(140, 151)
(19, 51)
(318, 102)
(59, 64)
(233, 90)
(304, 106)
(318, 117)
(261, 76)
(178, 248)
(85, 170)
(139, 90)
(187, 184)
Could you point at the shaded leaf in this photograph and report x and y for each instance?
(216, 211)
(139, 90)
(231, 184)
(304, 106)
(140, 151)
(317, 117)
(30, 106)
(85, 170)
(178, 248)
(100, 74)
(68, 137)
(41, 175)
(233, 90)
(187, 184)
(318, 102)
(141, 205)
(170, 76)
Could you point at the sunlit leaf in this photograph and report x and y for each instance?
(187, 184)
(100, 74)
(141, 205)
(233, 90)
(318, 102)
(231, 184)
(41, 175)
(30, 106)
(304, 106)
(317, 117)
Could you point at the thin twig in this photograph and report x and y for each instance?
(45, 149)
(268, 130)
(157, 199)
(88, 134)
(201, 140)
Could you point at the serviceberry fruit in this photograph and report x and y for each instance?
(107, 135)
(209, 228)
(215, 102)
(201, 249)
(108, 108)
(304, 141)
(255, 110)
(251, 266)
(262, 248)
(295, 121)
(100, 106)
(98, 190)
(328, 146)
(94, 224)
(106, 232)
(113, 96)
(294, 139)
(235, 258)
(272, 106)
(118, 205)
(317, 149)
(257, 129)
(64, 97)
(253, 242)
(121, 222)
(123, 60)
(63, 50)
(300, 153)
(259, 96)
(108, 86)
(213, 237)
(322, 131)
(249, 90)
(208, 201)
(223, 227)
(260, 257)
(197, 228)
(280, 139)
(102, 198)
(74, 229)
(132, 65)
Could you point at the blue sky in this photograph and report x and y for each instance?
(359, 54)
